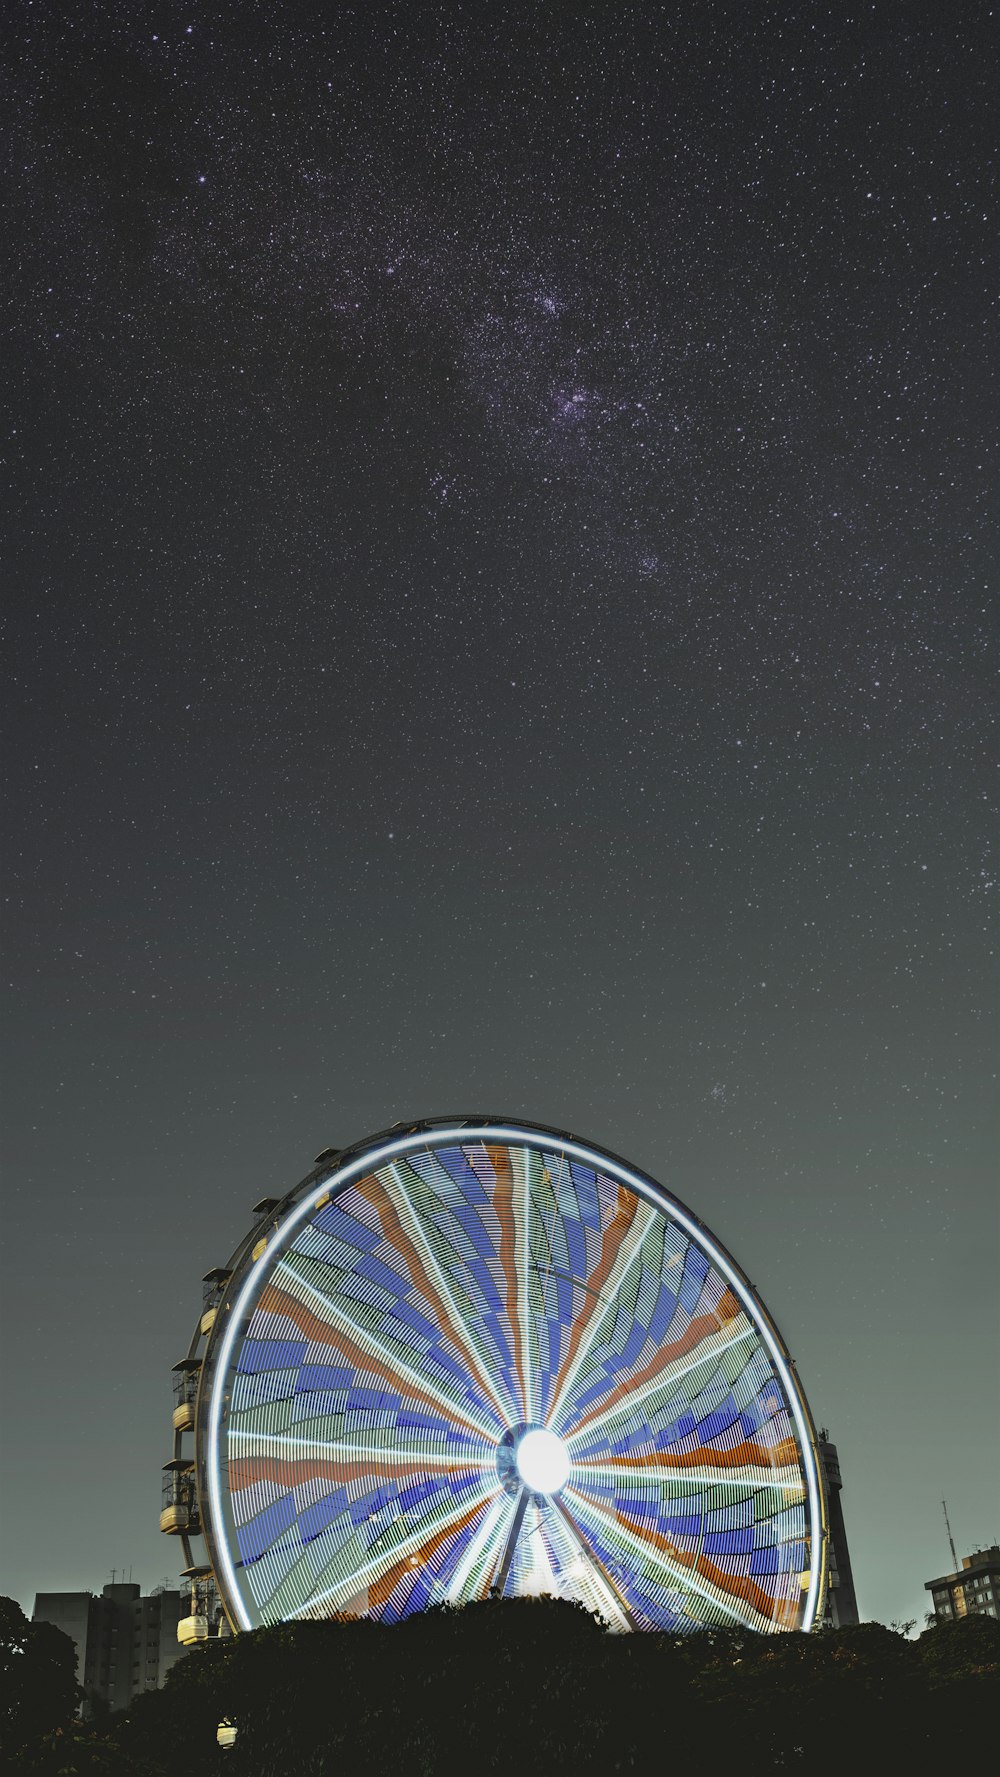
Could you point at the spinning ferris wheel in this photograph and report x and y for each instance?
(470, 1357)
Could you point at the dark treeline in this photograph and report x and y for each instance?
(519, 1687)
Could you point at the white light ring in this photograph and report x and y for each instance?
(463, 1134)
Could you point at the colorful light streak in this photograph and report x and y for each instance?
(442, 1290)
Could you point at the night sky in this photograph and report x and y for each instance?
(504, 509)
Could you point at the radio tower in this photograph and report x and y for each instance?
(951, 1539)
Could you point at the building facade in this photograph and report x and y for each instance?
(841, 1602)
(125, 1643)
(973, 1591)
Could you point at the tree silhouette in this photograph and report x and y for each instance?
(38, 1688)
(526, 1684)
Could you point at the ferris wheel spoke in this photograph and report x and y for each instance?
(522, 1205)
(672, 1474)
(669, 1366)
(474, 1572)
(498, 1159)
(582, 1573)
(443, 1541)
(404, 1229)
(412, 1546)
(290, 1462)
(650, 1550)
(365, 1348)
(600, 1305)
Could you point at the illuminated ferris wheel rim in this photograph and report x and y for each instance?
(249, 1278)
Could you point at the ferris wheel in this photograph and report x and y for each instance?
(472, 1357)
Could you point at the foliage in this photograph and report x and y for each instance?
(80, 1750)
(38, 1688)
(967, 1649)
(525, 1684)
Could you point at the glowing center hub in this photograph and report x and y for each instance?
(542, 1461)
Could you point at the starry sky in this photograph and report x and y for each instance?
(502, 555)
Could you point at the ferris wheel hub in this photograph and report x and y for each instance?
(542, 1461)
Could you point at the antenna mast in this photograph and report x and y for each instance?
(951, 1539)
